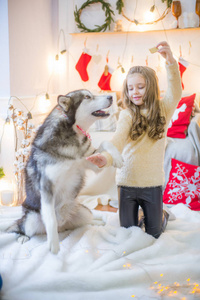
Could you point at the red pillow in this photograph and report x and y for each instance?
(181, 118)
(183, 185)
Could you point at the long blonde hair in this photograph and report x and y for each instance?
(153, 123)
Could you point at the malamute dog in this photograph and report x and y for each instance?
(56, 167)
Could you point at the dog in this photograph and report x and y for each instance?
(55, 169)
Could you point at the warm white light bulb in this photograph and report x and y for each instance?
(149, 16)
(43, 104)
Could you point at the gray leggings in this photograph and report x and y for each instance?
(151, 201)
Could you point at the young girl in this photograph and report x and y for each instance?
(140, 137)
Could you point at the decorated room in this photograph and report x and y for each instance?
(86, 150)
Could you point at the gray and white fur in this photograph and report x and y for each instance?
(55, 170)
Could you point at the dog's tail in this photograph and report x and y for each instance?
(9, 226)
(14, 227)
(9, 222)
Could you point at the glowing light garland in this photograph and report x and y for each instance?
(176, 289)
(161, 17)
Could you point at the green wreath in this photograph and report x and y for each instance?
(108, 14)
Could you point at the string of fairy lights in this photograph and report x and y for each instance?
(179, 290)
(160, 288)
(119, 64)
(43, 93)
(62, 50)
(23, 131)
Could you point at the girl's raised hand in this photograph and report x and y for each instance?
(165, 50)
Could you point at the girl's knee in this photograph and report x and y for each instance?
(156, 231)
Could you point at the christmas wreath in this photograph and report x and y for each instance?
(108, 14)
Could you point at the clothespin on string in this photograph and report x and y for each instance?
(190, 46)
(146, 61)
(85, 48)
(106, 69)
(180, 51)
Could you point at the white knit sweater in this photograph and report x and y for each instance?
(144, 158)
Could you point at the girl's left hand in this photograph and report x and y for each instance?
(165, 50)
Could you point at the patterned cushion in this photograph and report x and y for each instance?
(181, 118)
(183, 185)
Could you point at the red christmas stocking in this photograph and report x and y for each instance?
(104, 82)
(82, 64)
(182, 67)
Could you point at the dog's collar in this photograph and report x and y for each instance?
(84, 132)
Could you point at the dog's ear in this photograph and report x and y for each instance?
(64, 102)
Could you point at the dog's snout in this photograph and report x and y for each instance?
(110, 98)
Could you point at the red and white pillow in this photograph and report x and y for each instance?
(183, 185)
(181, 118)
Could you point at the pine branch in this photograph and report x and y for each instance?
(1, 173)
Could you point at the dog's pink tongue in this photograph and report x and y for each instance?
(100, 112)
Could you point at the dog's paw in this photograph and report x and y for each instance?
(23, 239)
(117, 161)
(54, 246)
(54, 249)
(110, 148)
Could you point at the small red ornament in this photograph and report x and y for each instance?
(104, 82)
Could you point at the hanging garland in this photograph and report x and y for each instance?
(169, 2)
(120, 5)
(1, 173)
(167, 10)
(108, 13)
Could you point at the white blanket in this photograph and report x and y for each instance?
(104, 262)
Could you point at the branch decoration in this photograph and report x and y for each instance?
(120, 6)
(21, 123)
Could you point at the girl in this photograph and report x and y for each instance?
(140, 137)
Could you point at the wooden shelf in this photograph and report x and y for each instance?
(133, 32)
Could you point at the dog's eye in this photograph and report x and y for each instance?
(87, 97)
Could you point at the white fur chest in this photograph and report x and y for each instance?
(67, 179)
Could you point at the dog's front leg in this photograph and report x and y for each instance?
(110, 148)
(50, 222)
